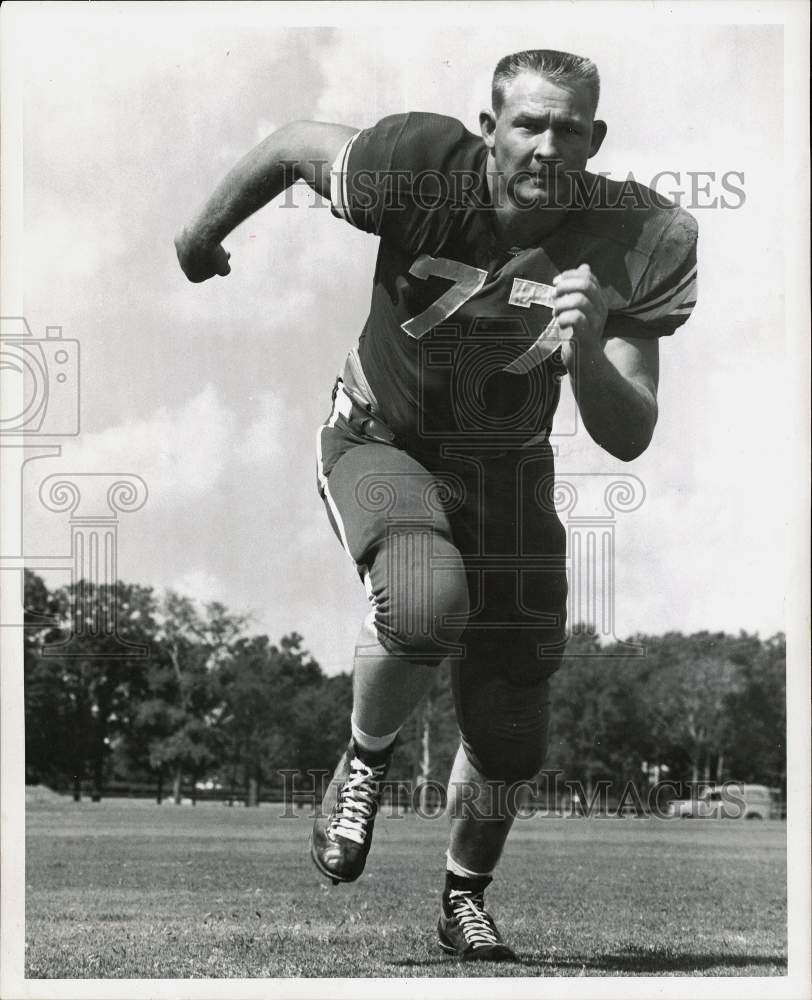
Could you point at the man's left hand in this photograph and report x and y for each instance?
(580, 310)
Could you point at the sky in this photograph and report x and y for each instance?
(212, 393)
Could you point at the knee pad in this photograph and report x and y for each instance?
(419, 595)
(504, 725)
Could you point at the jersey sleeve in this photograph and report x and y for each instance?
(666, 292)
(361, 179)
(381, 180)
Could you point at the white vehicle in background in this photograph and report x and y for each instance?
(733, 800)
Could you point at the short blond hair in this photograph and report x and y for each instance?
(560, 67)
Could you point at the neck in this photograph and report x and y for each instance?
(523, 227)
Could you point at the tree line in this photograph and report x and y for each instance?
(183, 697)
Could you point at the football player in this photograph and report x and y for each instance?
(503, 267)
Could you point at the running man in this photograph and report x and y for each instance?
(504, 266)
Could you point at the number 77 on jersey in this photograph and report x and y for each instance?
(467, 281)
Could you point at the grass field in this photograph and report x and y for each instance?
(131, 889)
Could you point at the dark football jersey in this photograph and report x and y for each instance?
(459, 344)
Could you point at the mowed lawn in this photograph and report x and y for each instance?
(132, 889)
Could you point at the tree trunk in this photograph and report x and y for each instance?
(160, 794)
(98, 776)
(176, 785)
(194, 789)
(425, 756)
(425, 748)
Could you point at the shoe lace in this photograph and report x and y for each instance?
(469, 909)
(357, 801)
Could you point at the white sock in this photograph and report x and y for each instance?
(374, 744)
(457, 869)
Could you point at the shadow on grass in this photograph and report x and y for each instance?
(633, 962)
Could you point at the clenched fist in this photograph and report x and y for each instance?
(580, 310)
(200, 263)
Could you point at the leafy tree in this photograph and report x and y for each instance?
(758, 708)
(84, 680)
(208, 700)
(268, 692)
(320, 725)
(182, 717)
(48, 744)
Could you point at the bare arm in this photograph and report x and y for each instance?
(614, 375)
(298, 151)
(616, 390)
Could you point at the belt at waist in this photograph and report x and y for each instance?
(358, 414)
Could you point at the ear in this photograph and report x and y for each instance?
(598, 135)
(487, 125)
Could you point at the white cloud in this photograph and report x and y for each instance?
(180, 453)
(200, 586)
(264, 438)
(68, 245)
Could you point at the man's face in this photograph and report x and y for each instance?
(543, 132)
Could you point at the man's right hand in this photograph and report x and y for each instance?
(200, 264)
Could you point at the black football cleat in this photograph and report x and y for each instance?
(342, 835)
(465, 928)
